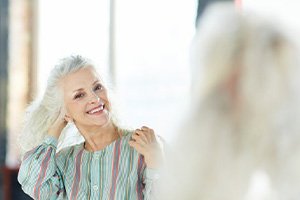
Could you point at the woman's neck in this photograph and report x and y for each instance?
(97, 138)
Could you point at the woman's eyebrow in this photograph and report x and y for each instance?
(79, 89)
(96, 81)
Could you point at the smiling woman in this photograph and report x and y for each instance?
(111, 163)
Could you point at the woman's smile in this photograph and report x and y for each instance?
(96, 110)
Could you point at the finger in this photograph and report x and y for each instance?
(60, 119)
(153, 137)
(142, 135)
(138, 139)
(62, 112)
(136, 146)
(146, 136)
(144, 128)
(149, 133)
(152, 134)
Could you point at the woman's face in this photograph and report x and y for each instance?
(85, 99)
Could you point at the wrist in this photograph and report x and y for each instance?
(54, 133)
(55, 130)
(51, 140)
(154, 161)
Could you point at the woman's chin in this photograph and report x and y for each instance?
(101, 121)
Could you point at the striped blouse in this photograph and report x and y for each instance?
(116, 172)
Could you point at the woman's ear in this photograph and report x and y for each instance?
(68, 118)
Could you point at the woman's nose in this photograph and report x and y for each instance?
(94, 98)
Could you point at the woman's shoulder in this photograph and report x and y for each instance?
(126, 134)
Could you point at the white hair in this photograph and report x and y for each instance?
(244, 113)
(41, 113)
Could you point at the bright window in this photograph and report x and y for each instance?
(68, 27)
(152, 41)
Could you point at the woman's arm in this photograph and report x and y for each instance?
(146, 143)
(39, 175)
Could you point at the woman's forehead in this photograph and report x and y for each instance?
(81, 78)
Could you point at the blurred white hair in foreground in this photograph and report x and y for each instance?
(241, 136)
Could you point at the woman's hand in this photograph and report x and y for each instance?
(145, 142)
(58, 125)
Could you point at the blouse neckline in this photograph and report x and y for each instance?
(122, 134)
(101, 150)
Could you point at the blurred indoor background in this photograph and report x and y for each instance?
(141, 46)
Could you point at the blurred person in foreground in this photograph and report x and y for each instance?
(241, 138)
(110, 162)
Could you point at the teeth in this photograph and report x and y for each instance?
(96, 110)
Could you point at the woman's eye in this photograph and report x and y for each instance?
(98, 87)
(78, 96)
